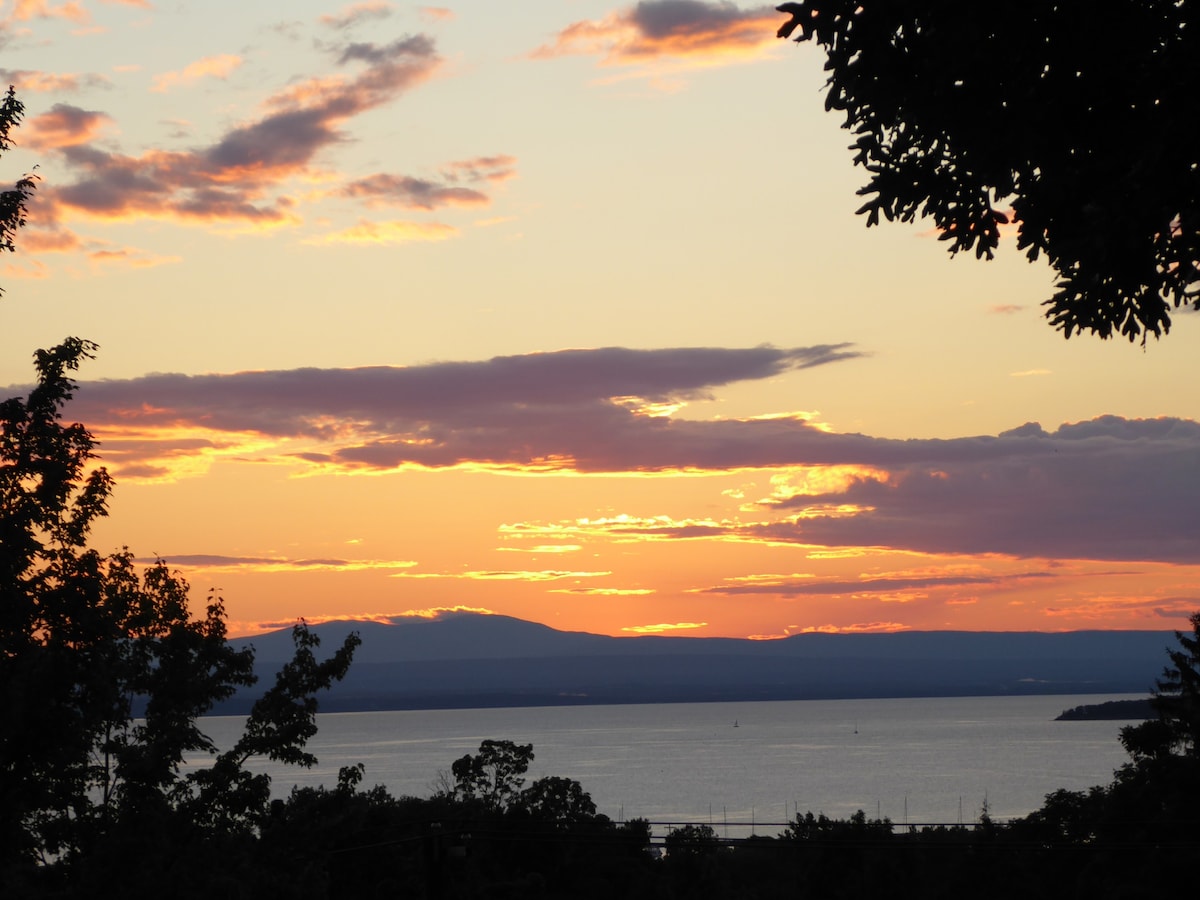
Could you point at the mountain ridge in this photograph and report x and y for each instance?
(463, 660)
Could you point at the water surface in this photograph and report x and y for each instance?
(915, 760)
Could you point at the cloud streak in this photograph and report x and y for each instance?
(220, 67)
(39, 82)
(1109, 488)
(216, 563)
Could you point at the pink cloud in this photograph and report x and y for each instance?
(356, 13)
(239, 177)
(220, 67)
(63, 126)
(34, 81)
(25, 10)
(668, 29)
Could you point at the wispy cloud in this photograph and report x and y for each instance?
(393, 232)
(357, 13)
(1108, 488)
(210, 562)
(243, 176)
(855, 628)
(531, 576)
(38, 82)
(543, 548)
(220, 67)
(663, 629)
(412, 193)
(796, 587)
(26, 10)
(436, 13)
(603, 592)
(678, 32)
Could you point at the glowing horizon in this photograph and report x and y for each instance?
(565, 316)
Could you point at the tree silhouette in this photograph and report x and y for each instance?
(1074, 123)
(1176, 731)
(86, 642)
(12, 202)
(495, 775)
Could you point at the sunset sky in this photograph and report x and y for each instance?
(560, 309)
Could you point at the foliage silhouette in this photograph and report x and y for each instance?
(87, 789)
(1076, 125)
(12, 202)
(494, 775)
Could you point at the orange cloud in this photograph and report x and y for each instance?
(543, 548)
(603, 592)
(63, 126)
(624, 528)
(855, 628)
(31, 270)
(357, 12)
(691, 30)
(531, 576)
(72, 11)
(214, 563)
(435, 13)
(130, 257)
(252, 628)
(50, 240)
(33, 81)
(659, 629)
(209, 67)
(435, 612)
(396, 232)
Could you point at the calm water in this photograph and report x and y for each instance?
(915, 760)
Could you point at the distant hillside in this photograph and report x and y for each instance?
(467, 660)
(1119, 710)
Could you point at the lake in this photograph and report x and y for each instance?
(925, 760)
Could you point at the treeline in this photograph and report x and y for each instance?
(486, 834)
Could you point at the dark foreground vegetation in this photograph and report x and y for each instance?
(486, 833)
(95, 802)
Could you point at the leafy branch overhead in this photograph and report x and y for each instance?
(12, 202)
(1073, 122)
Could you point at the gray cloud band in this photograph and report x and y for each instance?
(1109, 488)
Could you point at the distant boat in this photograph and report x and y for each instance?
(735, 724)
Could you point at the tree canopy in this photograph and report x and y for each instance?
(1075, 123)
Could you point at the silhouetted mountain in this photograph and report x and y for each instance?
(468, 660)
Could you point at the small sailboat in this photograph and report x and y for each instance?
(735, 724)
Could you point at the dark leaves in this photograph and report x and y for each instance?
(1084, 130)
